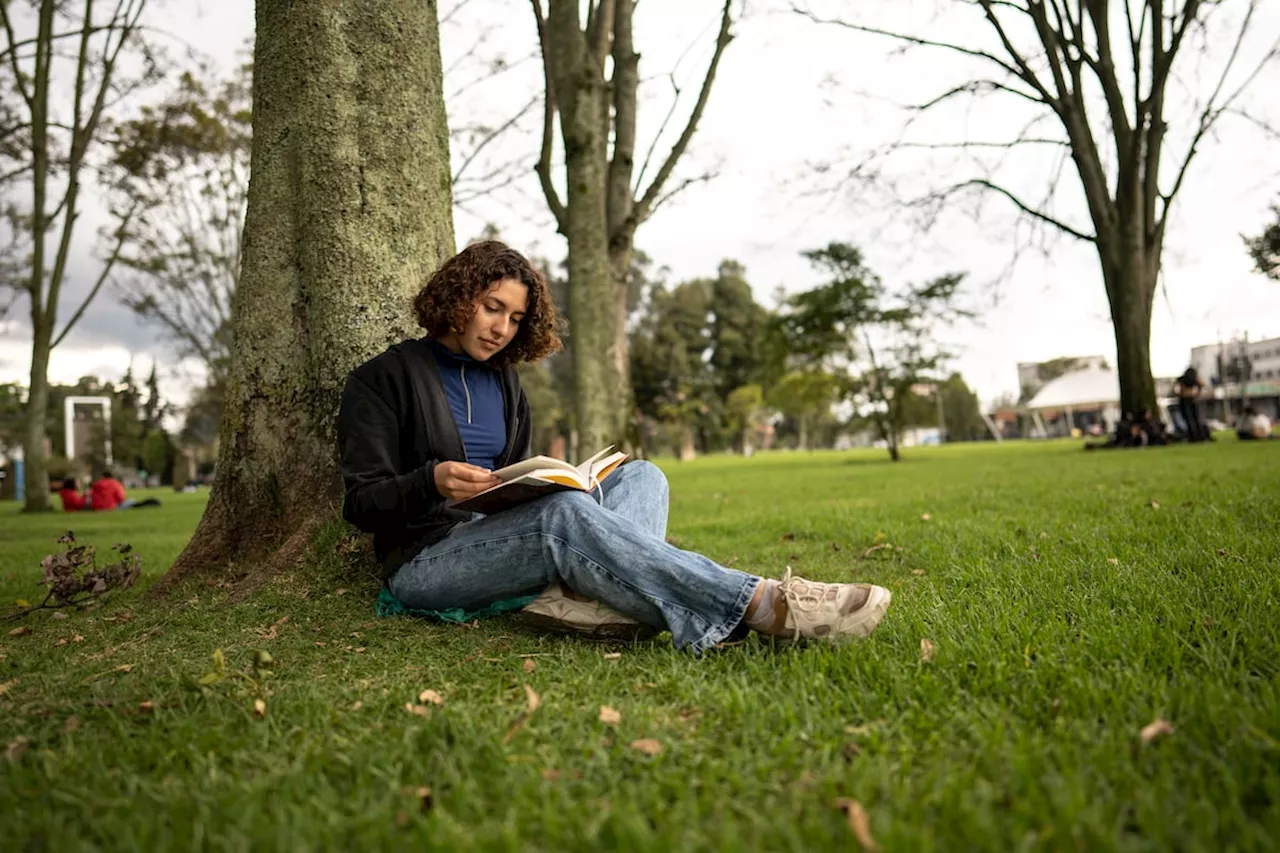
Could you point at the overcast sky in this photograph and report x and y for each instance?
(792, 94)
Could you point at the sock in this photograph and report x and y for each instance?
(767, 609)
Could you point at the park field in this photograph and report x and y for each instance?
(1049, 606)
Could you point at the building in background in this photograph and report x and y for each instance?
(1239, 373)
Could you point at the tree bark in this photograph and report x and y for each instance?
(348, 214)
(1131, 287)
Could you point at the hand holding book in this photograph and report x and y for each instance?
(537, 477)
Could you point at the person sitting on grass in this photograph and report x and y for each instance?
(1253, 426)
(428, 420)
(107, 493)
(73, 499)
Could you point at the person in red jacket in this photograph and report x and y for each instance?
(107, 493)
(72, 498)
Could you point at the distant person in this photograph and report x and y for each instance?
(1253, 426)
(1187, 388)
(107, 493)
(73, 499)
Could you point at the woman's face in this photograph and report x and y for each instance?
(497, 317)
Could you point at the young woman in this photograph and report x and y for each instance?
(427, 421)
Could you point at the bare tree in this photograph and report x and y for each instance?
(1265, 248)
(605, 200)
(51, 144)
(1094, 82)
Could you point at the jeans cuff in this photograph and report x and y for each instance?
(717, 632)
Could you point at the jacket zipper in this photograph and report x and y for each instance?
(463, 371)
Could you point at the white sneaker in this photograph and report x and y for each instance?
(555, 611)
(831, 611)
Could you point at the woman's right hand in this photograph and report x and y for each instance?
(459, 480)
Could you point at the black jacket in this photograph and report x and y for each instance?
(394, 426)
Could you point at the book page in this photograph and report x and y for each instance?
(533, 463)
(584, 467)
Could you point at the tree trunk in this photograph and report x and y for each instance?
(1131, 287)
(582, 95)
(348, 215)
(36, 464)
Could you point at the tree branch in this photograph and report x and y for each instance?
(543, 167)
(645, 205)
(13, 56)
(985, 184)
(121, 236)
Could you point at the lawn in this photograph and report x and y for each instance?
(1070, 599)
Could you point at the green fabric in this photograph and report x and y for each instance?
(389, 605)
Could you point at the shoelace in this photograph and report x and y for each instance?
(798, 593)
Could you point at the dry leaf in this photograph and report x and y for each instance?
(926, 517)
(1155, 504)
(1114, 561)
(72, 723)
(147, 706)
(357, 705)
(431, 696)
(6, 685)
(550, 775)
(21, 631)
(16, 747)
(926, 649)
(425, 800)
(359, 650)
(321, 643)
(340, 591)
(1158, 727)
(420, 710)
(259, 708)
(77, 639)
(865, 728)
(919, 572)
(125, 667)
(859, 823)
(787, 537)
(58, 614)
(851, 751)
(610, 715)
(530, 665)
(533, 699)
(612, 655)
(62, 642)
(647, 745)
(874, 548)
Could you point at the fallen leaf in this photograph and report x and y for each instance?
(62, 642)
(6, 685)
(1158, 727)
(926, 649)
(359, 650)
(851, 751)
(72, 723)
(425, 800)
(648, 746)
(550, 775)
(259, 708)
(534, 700)
(420, 710)
(859, 823)
(926, 517)
(609, 715)
(919, 572)
(22, 602)
(357, 705)
(1155, 504)
(865, 728)
(148, 705)
(58, 614)
(874, 548)
(1114, 561)
(835, 546)
(21, 631)
(16, 747)
(431, 696)
(77, 639)
(340, 591)
(612, 655)
(530, 665)
(125, 667)
(787, 537)
(321, 643)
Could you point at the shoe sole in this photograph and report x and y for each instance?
(629, 632)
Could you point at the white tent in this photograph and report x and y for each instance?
(1085, 389)
(1092, 389)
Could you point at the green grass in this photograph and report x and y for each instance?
(1067, 611)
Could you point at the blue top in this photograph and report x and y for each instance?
(474, 392)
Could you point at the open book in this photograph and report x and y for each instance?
(538, 476)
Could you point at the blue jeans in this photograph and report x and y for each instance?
(610, 548)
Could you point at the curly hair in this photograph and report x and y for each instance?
(448, 301)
